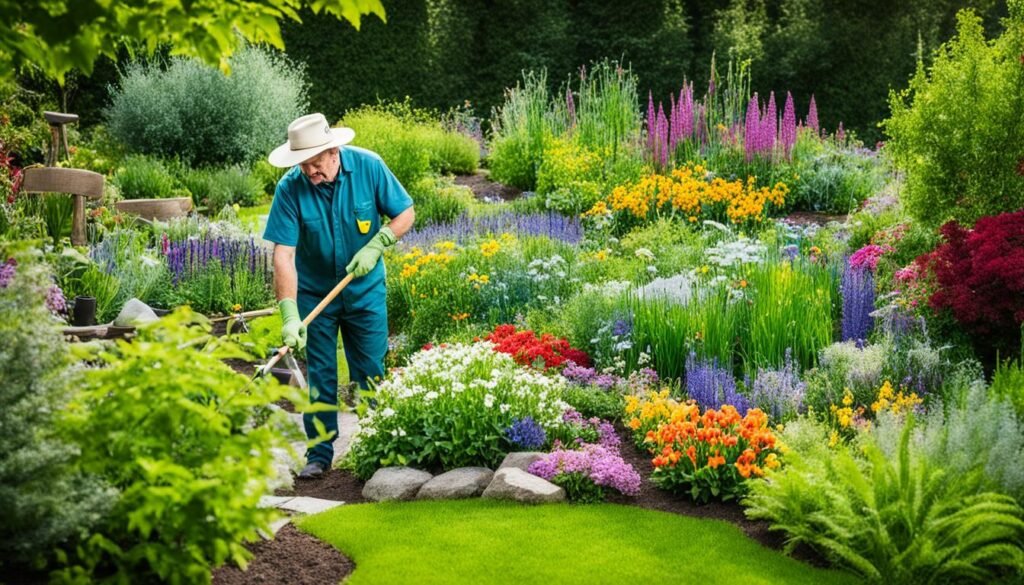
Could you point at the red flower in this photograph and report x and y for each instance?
(526, 348)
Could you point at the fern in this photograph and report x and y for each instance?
(895, 517)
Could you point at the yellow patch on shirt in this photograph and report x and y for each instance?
(364, 225)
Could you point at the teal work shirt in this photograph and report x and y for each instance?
(328, 223)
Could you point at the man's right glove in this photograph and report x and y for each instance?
(292, 331)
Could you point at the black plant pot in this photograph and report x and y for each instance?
(84, 312)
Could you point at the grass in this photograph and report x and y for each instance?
(254, 218)
(483, 541)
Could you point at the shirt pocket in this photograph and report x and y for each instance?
(365, 220)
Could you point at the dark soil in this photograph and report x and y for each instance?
(487, 190)
(336, 484)
(292, 557)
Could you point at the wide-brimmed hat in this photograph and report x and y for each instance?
(308, 136)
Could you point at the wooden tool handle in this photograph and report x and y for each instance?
(312, 315)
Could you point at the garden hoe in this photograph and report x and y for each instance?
(285, 352)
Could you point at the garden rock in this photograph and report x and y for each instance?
(520, 460)
(512, 483)
(134, 313)
(464, 482)
(395, 483)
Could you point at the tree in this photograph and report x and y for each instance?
(57, 36)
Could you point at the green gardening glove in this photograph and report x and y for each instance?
(364, 260)
(292, 331)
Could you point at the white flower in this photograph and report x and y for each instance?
(387, 412)
(645, 254)
(430, 395)
(504, 408)
(488, 400)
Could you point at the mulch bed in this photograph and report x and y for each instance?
(487, 190)
(292, 557)
(806, 218)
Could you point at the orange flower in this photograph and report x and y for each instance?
(634, 423)
(716, 460)
(691, 452)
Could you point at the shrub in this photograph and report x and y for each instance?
(217, 188)
(144, 177)
(439, 201)
(980, 274)
(894, 518)
(193, 112)
(44, 500)
(711, 455)
(595, 401)
(520, 133)
(172, 427)
(958, 129)
(451, 407)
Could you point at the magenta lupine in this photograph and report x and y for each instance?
(840, 134)
(770, 125)
(651, 123)
(673, 122)
(570, 105)
(812, 116)
(662, 137)
(788, 131)
(753, 128)
(687, 110)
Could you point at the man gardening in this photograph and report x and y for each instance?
(325, 223)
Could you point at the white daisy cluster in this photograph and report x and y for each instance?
(732, 254)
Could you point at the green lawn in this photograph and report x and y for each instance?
(253, 219)
(483, 541)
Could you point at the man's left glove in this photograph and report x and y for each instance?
(364, 260)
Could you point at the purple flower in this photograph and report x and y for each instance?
(526, 433)
(770, 125)
(55, 300)
(712, 386)
(840, 133)
(858, 292)
(812, 116)
(552, 225)
(622, 327)
(788, 131)
(780, 393)
(7, 272)
(601, 465)
(791, 251)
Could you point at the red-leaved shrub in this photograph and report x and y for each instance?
(526, 348)
(980, 273)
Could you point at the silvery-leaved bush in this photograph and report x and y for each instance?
(451, 407)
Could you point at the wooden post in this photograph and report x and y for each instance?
(78, 221)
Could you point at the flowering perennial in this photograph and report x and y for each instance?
(587, 472)
(526, 348)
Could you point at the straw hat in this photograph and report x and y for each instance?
(308, 136)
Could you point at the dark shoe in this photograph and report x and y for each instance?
(312, 470)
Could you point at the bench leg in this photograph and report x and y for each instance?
(78, 221)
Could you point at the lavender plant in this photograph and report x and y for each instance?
(711, 386)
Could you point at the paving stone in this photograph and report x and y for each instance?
(395, 483)
(306, 505)
(274, 501)
(512, 483)
(464, 482)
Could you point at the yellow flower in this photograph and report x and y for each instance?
(833, 439)
(490, 248)
(445, 246)
(236, 308)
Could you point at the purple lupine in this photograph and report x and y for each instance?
(605, 467)
(788, 131)
(526, 433)
(770, 125)
(662, 137)
(841, 134)
(686, 111)
(712, 386)
(858, 292)
(7, 272)
(753, 128)
(652, 122)
(570, 105)
(812, 116)
(780, 393)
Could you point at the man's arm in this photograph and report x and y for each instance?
(402, 223)
(286, 280)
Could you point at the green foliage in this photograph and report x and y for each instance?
(450, 408)
(43, 499)
(412, 142)
(1008, 382)
(190, 111)
(58, 37)
(521, 131)
(23, 131)
(171, 426)
(144, 177)
(593, 401)
(959, 129)
(94, 282)
(439, 201)
(219, 187)
(895, 517)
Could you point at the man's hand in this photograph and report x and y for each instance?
(364, 260)
(292, 331)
